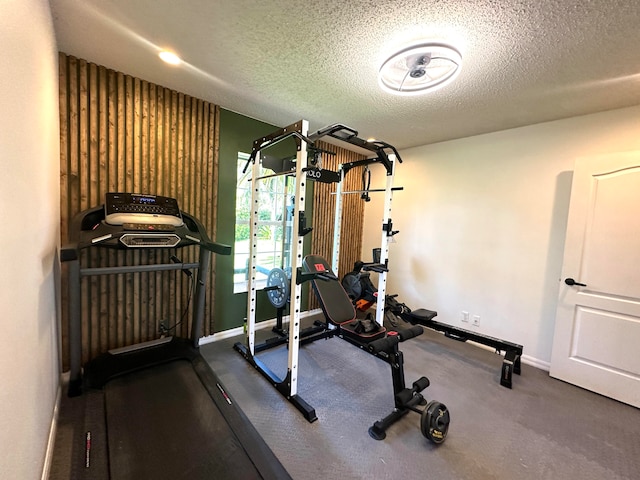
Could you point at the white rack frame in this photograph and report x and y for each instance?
(289, 385)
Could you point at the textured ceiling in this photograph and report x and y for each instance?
(280, 61)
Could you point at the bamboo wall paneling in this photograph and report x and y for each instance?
(324, 207)
(65, 146)
(99, 76)
(210, 195)
(119, 133)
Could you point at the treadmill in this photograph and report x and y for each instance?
(156, 409)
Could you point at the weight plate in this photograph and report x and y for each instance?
(279, 296)
(434, 422)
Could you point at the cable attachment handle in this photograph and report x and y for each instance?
(366, 184)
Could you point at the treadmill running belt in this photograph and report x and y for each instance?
(162, 423)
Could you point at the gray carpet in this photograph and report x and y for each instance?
(542, 429)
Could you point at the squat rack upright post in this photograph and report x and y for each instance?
(289, 385)
(386, 231)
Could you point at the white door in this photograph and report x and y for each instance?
(597, 334)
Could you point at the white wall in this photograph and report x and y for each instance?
(30, 218)
(482, 223)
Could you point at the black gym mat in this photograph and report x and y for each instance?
(148, 436)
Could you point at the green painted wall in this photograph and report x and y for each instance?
(237, 134)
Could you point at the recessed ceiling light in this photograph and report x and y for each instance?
(420, 68)
(169, 57)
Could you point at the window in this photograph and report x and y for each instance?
(274, 224)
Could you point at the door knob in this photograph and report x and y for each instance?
(571, 282)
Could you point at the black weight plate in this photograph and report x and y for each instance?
(280, 296)
(434, 422)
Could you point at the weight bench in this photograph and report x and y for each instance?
(336, 304)
(338, 309)
(341, 321)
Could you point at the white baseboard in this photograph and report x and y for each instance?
(526, 359)
(536, 362)
(259, 326)
(46, 468)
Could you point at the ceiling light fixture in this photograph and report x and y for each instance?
(169, 57)
(420, 68)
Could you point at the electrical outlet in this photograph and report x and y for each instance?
(476, 320)
(465, 316)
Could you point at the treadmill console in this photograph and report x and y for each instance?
(135, 209)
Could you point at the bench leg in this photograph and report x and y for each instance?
(510, 365)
